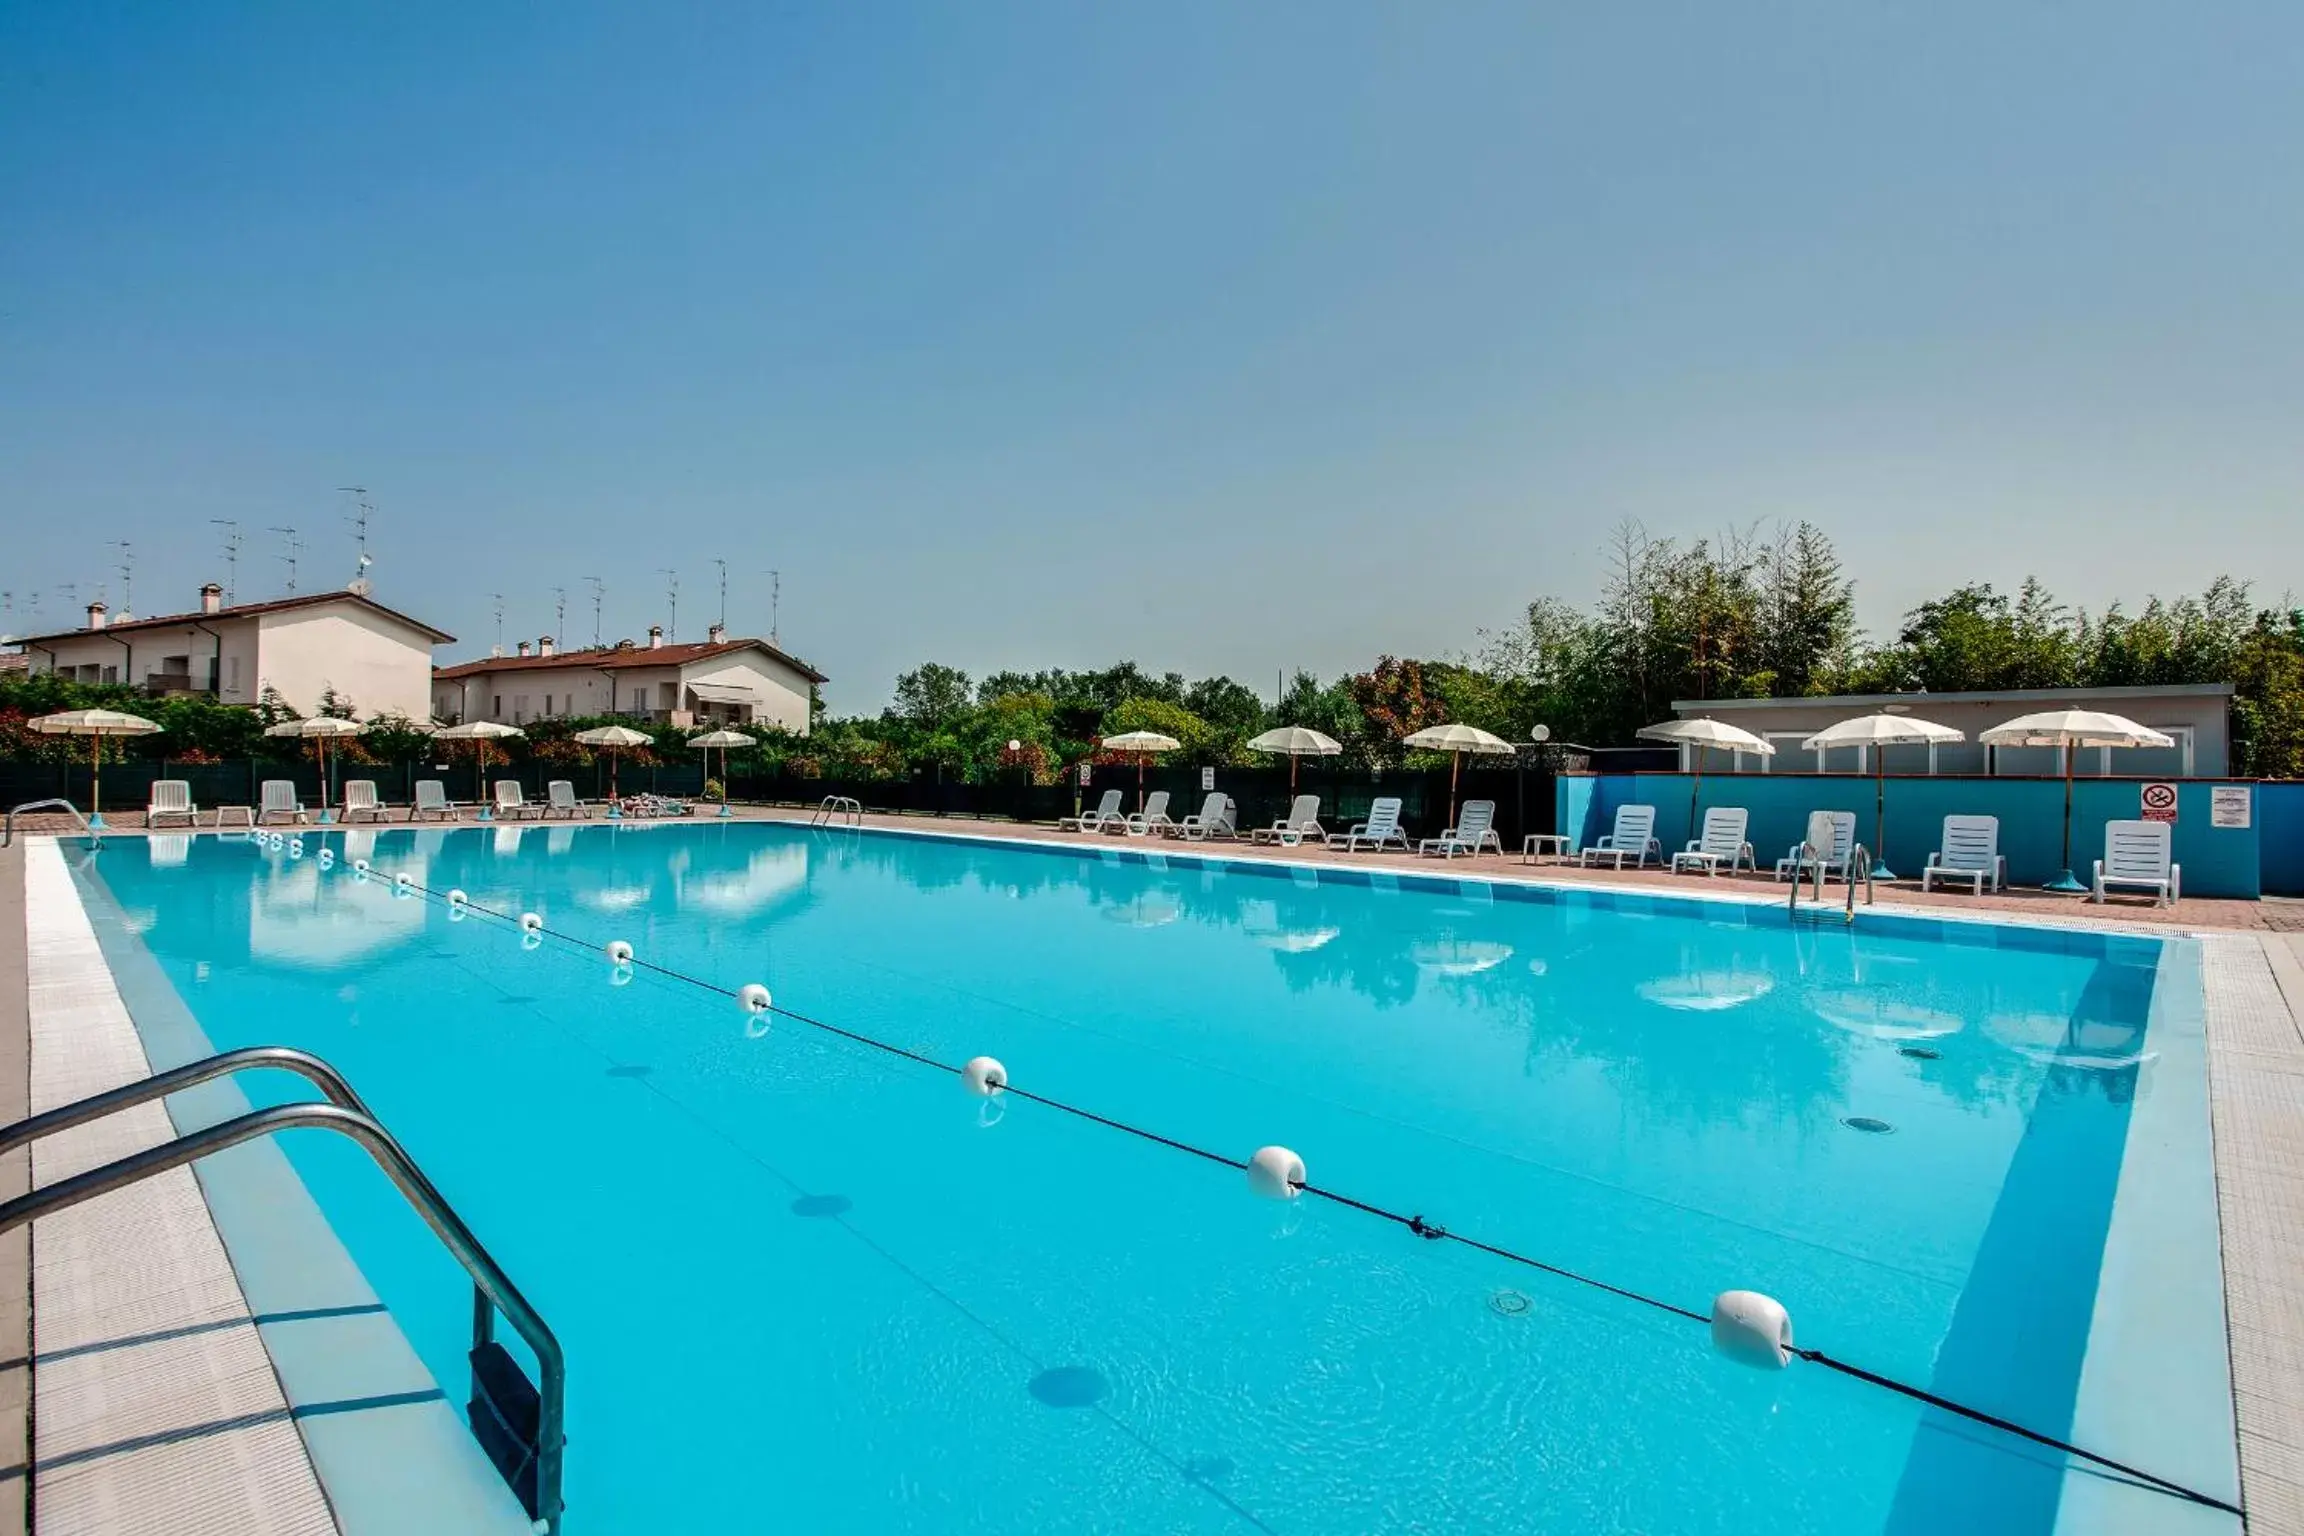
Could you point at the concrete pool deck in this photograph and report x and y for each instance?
(2254, 992)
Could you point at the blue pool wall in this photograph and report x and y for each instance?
(2217, 861)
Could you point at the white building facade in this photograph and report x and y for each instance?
(717, 682)
(302, 648)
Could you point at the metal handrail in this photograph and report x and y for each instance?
(1858, 855)
(1812, 856)
(8, 832)
(847, 807)
(176, 1079)
(492, 1289)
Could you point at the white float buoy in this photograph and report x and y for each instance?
(984, 1076)
(327, 858)
(619, 952)
(296, 849)
(457, 898)
(361, 865)
(402, 882)
(620, 976)
(1276, 1173)
(1752, 1329)
(531, 923)
(754, 997)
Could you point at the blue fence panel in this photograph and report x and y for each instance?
(2280, 837)
(2217, 861)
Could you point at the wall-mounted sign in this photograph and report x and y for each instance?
(2228, 805)
(1083, 775)
(1207, 779)
(2159, 802)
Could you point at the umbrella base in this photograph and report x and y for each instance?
(726, 812)
(96, 821)
(613, 813)
(485, 815)
(1881, 871)
(327, 816)
(2065, 885)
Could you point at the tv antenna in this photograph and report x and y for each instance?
(672, 596)
(599, 590)
(231, 558)
(127, 579)
(499, 621)
(723, 591)
(775, 601)
(290, 557)
(363, 509)
(559, 614)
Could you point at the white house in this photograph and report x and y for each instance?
(720, 682)
(300, 647)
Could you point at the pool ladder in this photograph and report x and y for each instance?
(838, 811)
(8, 833)
(520, 1426)
(1819, 911)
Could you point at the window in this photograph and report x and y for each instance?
(234, 673)
(111, 674)
(519, 708)
(639, 701)
(547, 706)
(498, 711)
(1791, 757)
(2145, 762)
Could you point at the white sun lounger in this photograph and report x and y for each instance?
(512, 801)
(432, 800)
(1301, 822)
(2136, 858)
(1107, 809)
(1722, 843)
(277, 797)
(360, 800)
(1971, 852)
(1380, 829)
(1633, 837)
(560, 799)
(1213, 819)
(172, 801)
(1151, 819)
(1798, 861)
(1475, 828)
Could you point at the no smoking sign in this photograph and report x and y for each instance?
(2159, 802)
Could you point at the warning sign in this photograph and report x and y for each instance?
(2228, 805)
(2159, 802)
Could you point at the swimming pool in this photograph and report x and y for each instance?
(807, 1285)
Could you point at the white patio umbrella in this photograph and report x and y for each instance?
(1143, 744)
(618, 739)
(1458, 739)
(723, 740)
(2069, 728)
(319, 730)
(1296, 741)
(95, 724)
(1698, 733)
(1875, 732)
(479, 733)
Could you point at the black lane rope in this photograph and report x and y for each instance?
(1415, 1223)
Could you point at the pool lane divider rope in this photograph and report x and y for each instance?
(621, 954)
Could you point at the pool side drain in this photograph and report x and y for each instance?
(1868, 1125)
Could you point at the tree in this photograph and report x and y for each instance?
(931, 694)
(1196, 741)
(1394, 702)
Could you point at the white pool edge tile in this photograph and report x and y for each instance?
(155, 1403)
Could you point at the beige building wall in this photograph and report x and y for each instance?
(383, 667)
(782, 693)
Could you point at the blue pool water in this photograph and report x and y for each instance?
(804, 1285)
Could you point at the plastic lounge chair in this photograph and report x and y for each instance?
(1633, 837)
(560, 799)
(171, 801)
(1107, 809)
(360, 800)
(1971, 852)
(277, 797)
(2136, 857)
(1800, 859)
(512, 801)
(1381, 828)
(1475, 828)
(1213, 819)
(1147, 821)
(432, 800)
(1722, 843)
(1301, 822)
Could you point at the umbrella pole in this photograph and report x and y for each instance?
(2064, 882)
(96, 779)
(1140, 781)
(1696, 793)
(1880, 869)
(327, 801)
(480, 779)
(723, 781)
(615, 755)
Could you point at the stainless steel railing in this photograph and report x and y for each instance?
(838, 810)
(345, 1114)
(8, 832)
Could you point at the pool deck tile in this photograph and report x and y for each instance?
(2256, 1078)
(156, 1406)
(15, 1179)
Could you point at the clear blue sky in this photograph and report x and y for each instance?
(1225, 337)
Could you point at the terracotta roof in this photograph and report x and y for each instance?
(246, 611)
(617, 659)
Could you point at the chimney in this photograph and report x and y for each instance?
(544, 645)
(716, 633)
(211, 598)
(95, 615)
(655, 631)
(523, 647)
